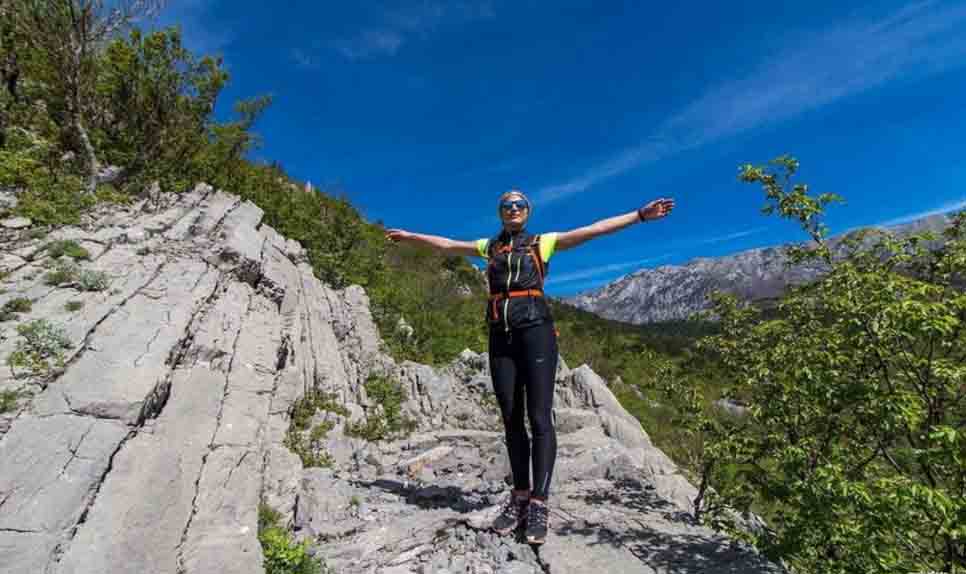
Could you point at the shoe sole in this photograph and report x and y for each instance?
(505, 531)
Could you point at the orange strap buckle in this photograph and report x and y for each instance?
(511, 294)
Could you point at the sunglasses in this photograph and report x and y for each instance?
(519, 204)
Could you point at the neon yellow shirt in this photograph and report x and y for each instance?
(548, 242)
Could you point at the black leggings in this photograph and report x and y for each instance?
(527, 359)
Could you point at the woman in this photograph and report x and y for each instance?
(523, 342)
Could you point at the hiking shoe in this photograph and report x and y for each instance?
(512, 515)
(538, 520)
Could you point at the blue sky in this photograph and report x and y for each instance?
(423, 112)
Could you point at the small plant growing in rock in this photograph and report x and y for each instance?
(144, 250)
(18, 305)
(89, 280)
(74, 306)
(41, 344)
(311, 449)
(355, 501)
(387, 420)
(63, 272)
(109, 193)
(10, 309)
(283, 555)
(70, 248)
(8, 400)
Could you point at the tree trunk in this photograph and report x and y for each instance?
(90, 158)
(77, 122)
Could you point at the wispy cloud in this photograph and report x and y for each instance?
(730, 236)
(305, 59)
(371, 43)
(395, 27)
(818, 69)
(602, 269)
(945, 208)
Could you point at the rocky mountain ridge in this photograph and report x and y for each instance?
(676, 292)
(152, 446)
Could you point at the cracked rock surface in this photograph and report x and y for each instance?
(151, 448)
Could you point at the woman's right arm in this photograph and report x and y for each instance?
(443, 244)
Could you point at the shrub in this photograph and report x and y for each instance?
(41, 344)
(64, 272)
(108, 193)
(282, 554)
(311, 449)
(853, 447)
(89, 280)
(74, 306)
(37, 233)
(67, 247)
(10, 309)
(387, 420)
(18, 305)
(8, 400)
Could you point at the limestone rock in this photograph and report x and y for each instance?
(16, 222)
(169, 425)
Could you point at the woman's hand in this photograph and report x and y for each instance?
(656, 209)
(397, 235)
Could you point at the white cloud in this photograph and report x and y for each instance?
(304, 59)
(730, 236)
(945, 208)
(601, 270)
(396, 27)
(371, 44)
(817, 69)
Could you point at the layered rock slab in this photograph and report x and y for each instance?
(153, 449)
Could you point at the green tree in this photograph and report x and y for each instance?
(67, 36)
(854, 445)
(154, 103)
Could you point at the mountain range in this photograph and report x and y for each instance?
(676, 292)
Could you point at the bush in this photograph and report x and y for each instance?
(68, 272)
(282, 554)
(18, 305)
(311, 449)
(89, 280)
(74, 306)
(70, 248)
(853, 447)
(42, 343)
(49, 194)
(8, 401)
(386, 421)
(108, 193)
(64, 272)
(10, 309)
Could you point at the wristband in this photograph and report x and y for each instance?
(640, 214)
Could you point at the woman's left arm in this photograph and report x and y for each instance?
(654, 210)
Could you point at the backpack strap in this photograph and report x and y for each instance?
(534, 250)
